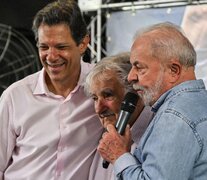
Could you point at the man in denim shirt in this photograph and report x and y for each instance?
(174, 146)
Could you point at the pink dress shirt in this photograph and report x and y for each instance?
(44, 136)
(97, 172)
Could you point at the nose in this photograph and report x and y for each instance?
(52, 54)
(100, 106)
(132, 76)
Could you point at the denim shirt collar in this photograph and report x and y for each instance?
(191, 85)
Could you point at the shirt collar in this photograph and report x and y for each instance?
(191, 85)
(41, 87)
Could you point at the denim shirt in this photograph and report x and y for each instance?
(174, 146)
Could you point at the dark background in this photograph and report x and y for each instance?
(19, 14)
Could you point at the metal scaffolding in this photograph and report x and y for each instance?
(98, 10)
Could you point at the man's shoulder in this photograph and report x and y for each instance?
(19, 86)
(87, 66)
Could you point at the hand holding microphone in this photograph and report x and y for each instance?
(127, 108)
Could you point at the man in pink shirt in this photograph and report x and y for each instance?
(48, 126)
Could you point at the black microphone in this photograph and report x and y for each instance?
(128, 106)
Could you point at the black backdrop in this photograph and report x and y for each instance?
(19, 14)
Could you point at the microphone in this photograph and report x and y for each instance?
(128, 106)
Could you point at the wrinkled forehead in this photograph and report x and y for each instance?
(104, 76)
(105, 82)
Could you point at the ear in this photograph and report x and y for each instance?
(174, 71)
(84, 44)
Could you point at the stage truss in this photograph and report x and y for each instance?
(101, 10)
